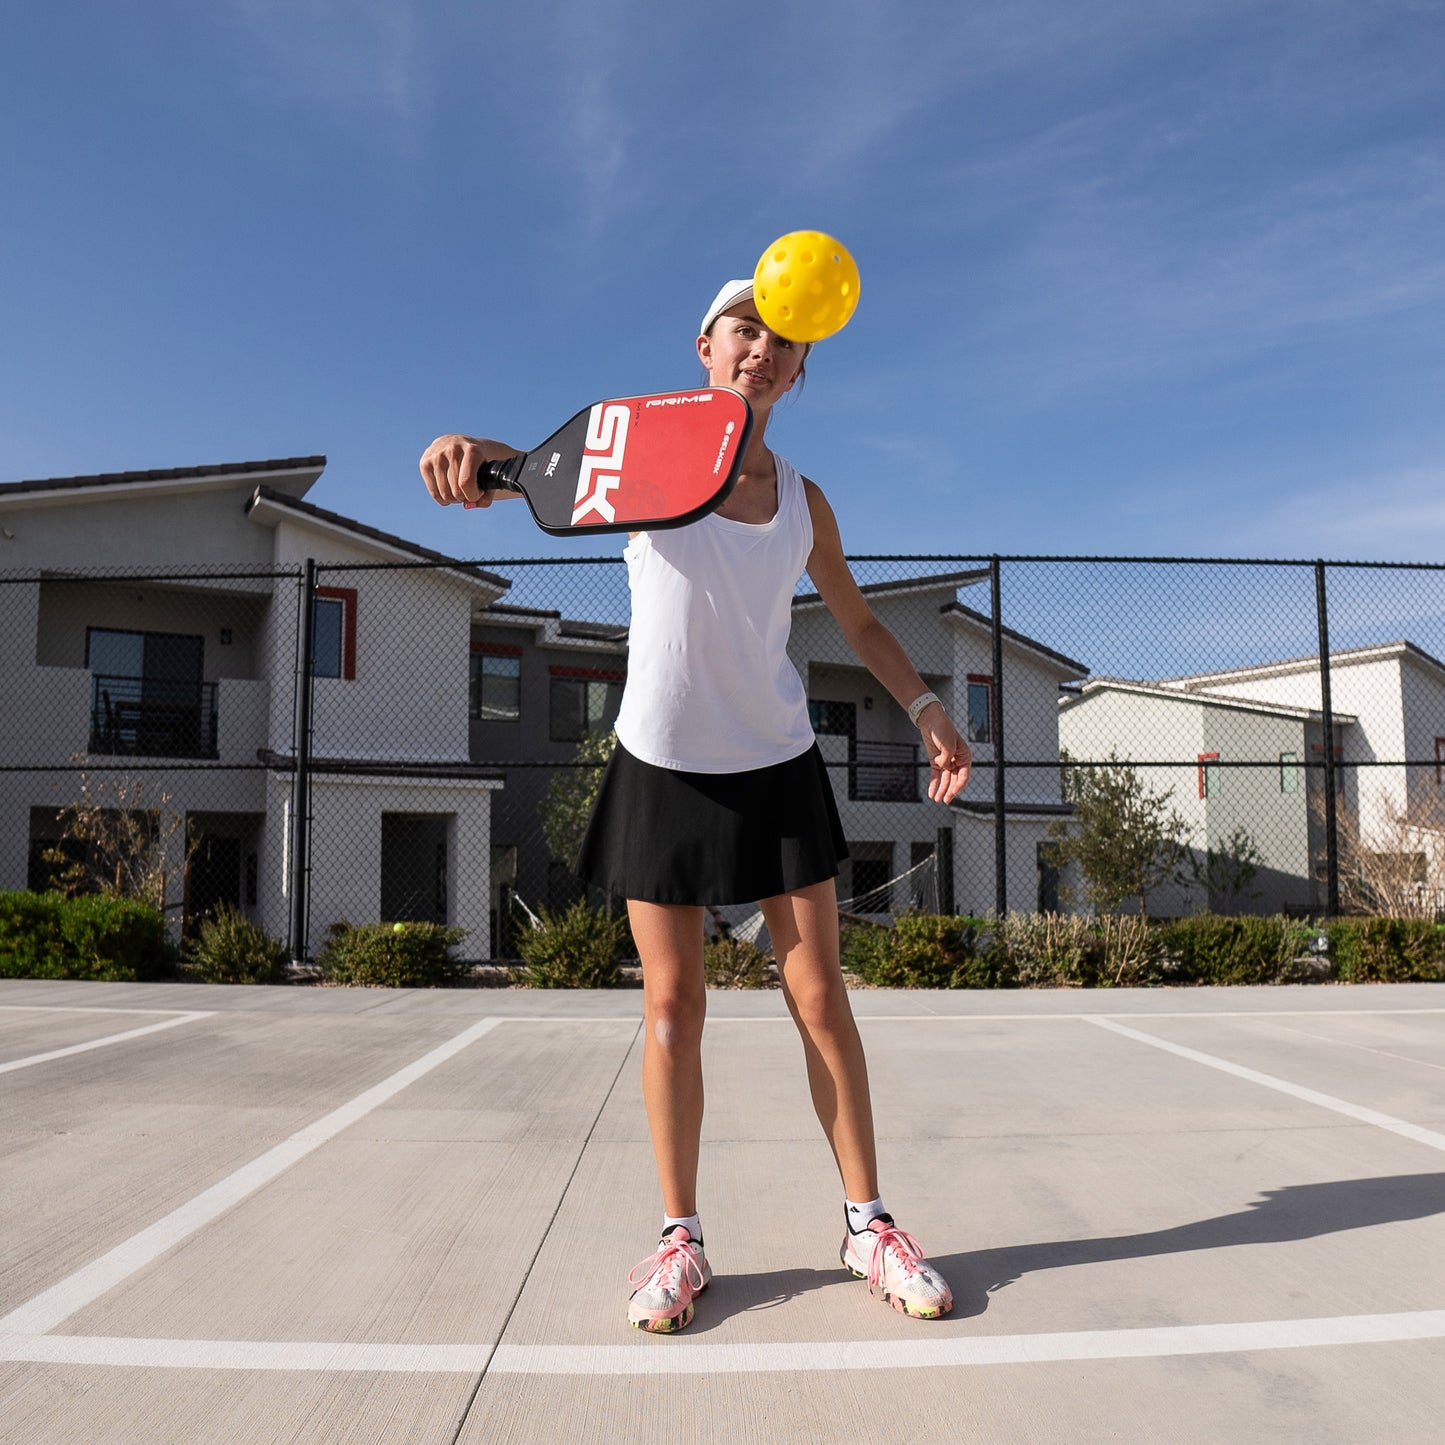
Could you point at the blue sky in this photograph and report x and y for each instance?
(1135, 278)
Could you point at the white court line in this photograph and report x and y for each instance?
(675, 1357)
(1035, 1018)
(1283, 1086)
(69, 1008)
(60, 1301)
(1363, 1048)
(103, 1042)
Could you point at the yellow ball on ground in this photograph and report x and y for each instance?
(398, 928)
(806, 286)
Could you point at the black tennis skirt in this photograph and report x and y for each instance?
(662, 836)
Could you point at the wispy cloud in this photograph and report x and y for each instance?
(591, 104)
(1393, 516)
(359, 57)
(1187, 218)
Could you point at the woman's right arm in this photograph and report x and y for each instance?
(449, 469)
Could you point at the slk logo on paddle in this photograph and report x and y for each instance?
(600, 473)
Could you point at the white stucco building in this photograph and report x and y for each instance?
(148, 626)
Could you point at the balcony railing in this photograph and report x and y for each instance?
(883, 772)
(152, 718)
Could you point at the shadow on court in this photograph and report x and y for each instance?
(1298, 1211)
(736, 1294)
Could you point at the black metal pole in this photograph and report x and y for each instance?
(1332, 840)
(995, 728)
(301, 784)
(943, 860)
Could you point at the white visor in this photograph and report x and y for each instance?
(729, 296)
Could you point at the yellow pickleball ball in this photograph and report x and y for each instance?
(806, 286)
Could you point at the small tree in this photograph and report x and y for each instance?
(1228, 870)
(571, 792)
(115, 842)
(1124, 837)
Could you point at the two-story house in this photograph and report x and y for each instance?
(1388, 701)
(149, 626)
(1232, 767)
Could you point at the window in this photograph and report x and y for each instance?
(148, 696)
(980, 708)
(333, 632)
(1439, 760)
(833, 718)
(870, 876)
(1289, 772)
(585, 701)
(1045, 859)
(1210, 780)
(495, 690)
(870, 884)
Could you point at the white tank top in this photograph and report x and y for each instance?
(710, 687)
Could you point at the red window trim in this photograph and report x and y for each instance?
(1440, 760)
(346, 596)
(1203, 759)
(497, 649)
(598, 674)
(985, 677)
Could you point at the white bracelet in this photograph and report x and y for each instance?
(915, 708)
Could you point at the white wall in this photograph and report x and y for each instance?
(413, 630)
(1372, 690)
(345, 882)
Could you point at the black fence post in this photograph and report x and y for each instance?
(995, 729)
(1332, 840)
(943, 862)
(301, 783)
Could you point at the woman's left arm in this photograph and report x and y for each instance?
(950, 760)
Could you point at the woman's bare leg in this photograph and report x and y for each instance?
(674, 1002)
(804, 930)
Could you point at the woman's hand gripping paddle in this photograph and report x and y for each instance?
(632, 463)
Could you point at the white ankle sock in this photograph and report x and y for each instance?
(689, 1222)
(858, 1215)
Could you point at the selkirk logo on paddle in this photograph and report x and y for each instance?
(600, 473)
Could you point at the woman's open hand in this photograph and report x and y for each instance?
(950, 761)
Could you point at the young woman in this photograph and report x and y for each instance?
(716, 754)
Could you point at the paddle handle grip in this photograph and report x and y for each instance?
(493, 476)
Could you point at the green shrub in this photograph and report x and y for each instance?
(930, 950)
(1211, 949)
(1387, 950)
(735, 963)
(229, 948)
(581, 948)
(117, 940)
(385, 955)
(862, 947)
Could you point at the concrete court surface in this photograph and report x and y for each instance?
(313, 1215)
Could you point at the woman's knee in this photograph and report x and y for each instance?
(675, 1018)
(820, 1005)
(674, 1005)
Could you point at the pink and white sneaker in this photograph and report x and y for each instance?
(666, 1283)
(893, 1264)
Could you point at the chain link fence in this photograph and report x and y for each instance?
(434, 760)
